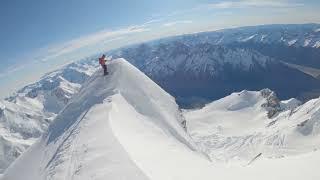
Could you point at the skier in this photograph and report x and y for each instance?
(102, 62)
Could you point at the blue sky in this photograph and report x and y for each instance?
(37, 36)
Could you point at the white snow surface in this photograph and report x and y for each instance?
(236, 128)
(124, 126)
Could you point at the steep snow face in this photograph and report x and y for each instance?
(122, 110)
(26, 115)
(238, 127)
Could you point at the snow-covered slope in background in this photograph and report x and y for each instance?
(124, 126)
(20, 124)
(56, 88)
(27, 114)
(249, 123)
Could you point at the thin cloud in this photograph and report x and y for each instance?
(113, 39)
(152, 21)
(174, 23)
(76, 44)
(60, 50)
(254, 3)
(11, 70)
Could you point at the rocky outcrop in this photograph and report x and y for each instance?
(272, 104)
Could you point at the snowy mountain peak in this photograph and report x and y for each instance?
(133, 86)
(263, 100)
(112, 117)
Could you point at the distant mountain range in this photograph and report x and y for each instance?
(27, 114)
(210, 65)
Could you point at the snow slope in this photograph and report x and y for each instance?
(238, 127)
(124, 126)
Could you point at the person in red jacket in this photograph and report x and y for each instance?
(102, 62)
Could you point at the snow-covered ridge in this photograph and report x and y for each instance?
(125, 108)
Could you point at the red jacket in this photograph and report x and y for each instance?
(102, 61)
